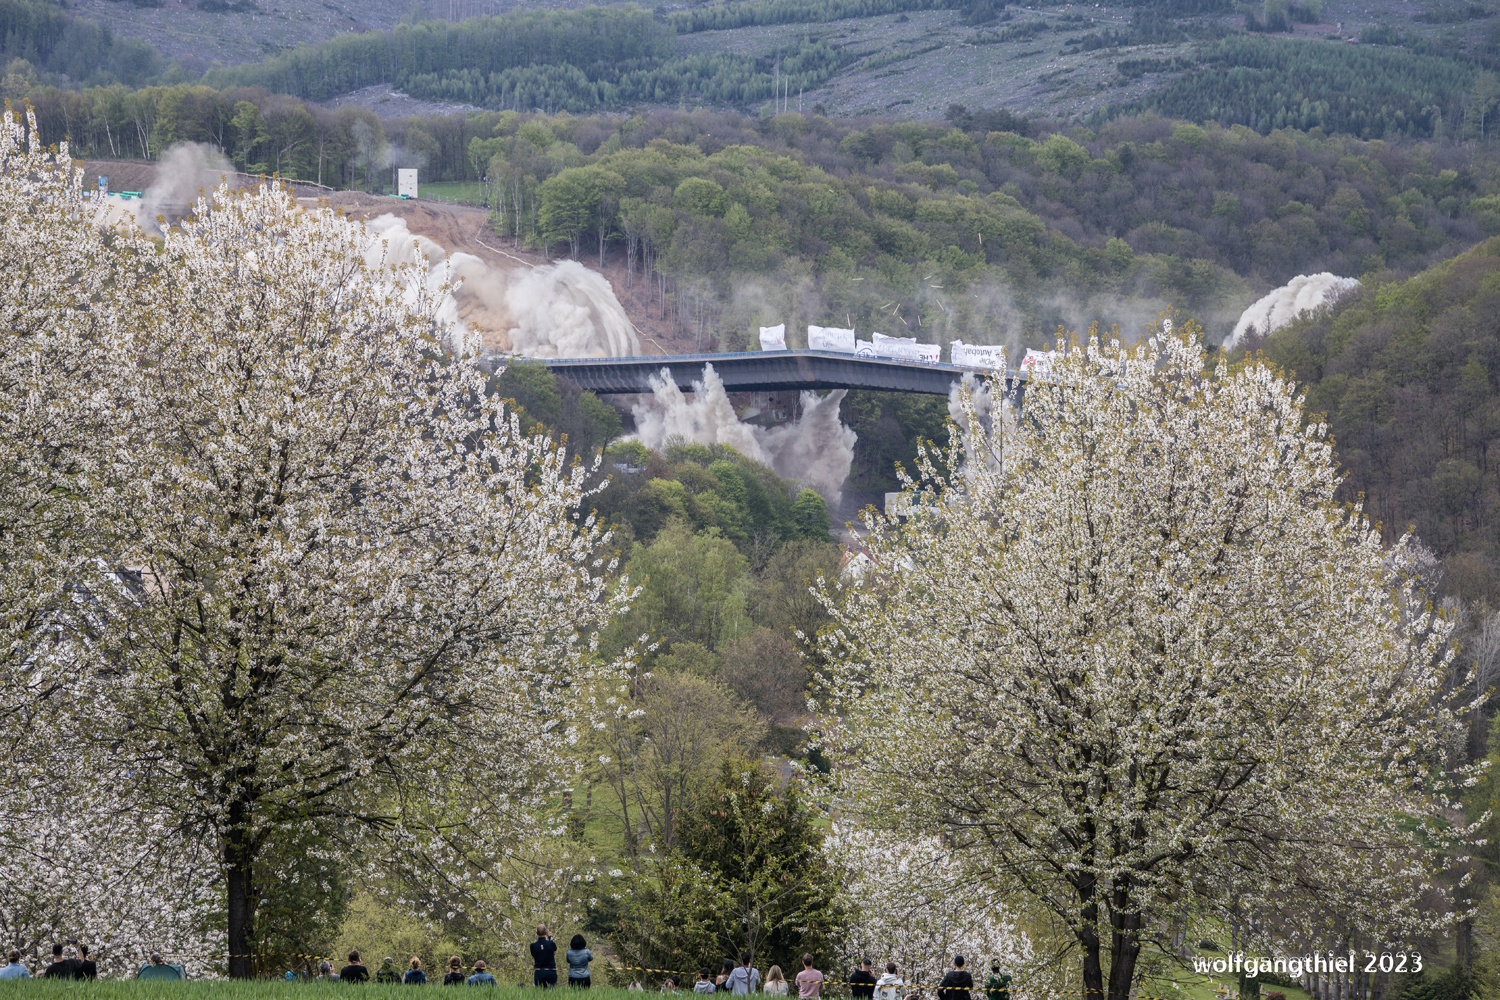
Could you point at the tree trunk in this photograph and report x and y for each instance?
(239, 869)
(1124, 946)
(1464, 946)
(1088, 938)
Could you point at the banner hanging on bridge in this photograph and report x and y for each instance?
(830, 338)
(773, 338)
(978, 357)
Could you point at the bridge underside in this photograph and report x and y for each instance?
(762, 371)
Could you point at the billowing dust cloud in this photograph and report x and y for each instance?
(815, 448)
(561, 310)
(188, 171)
(1302, 294)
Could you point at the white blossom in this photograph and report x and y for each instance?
(1144, 667)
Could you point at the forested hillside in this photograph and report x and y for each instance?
(985, 235)
(1408, 374)
(1204, 60)
(1368, 91)
(54, 42)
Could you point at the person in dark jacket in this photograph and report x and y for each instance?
(355, 971)
(862, 982)
(455, 976)
(415, 976)
(957, 984)
(87, 967)
(62, 967)
(544, 958)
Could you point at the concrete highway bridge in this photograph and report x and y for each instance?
(765, 371)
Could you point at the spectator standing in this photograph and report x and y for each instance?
(670, 984)
(544, 958)
(744, 980)
(775, 982)
(705, 983)
(481, 976)
(15, 970)
(997, 986)
(387, 972)
(579, 957)
(414, 975)
(809, 980)
(87, 967)
(889, 985)
(455, 976)
(721, 982)
(355, 971)
(957, 984)
(326, 973)
(862, 982)
(62, 967)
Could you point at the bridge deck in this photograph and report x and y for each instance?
(764, 371)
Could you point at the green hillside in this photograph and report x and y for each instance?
(1408, 373)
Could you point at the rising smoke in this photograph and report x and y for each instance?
(1302, 294)
(815, 448)
(558, 311)
(187, 171)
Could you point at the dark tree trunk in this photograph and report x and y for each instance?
(1124, 947)
(1088, 939)
(239, 868)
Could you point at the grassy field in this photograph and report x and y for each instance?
(1171, 986)
(260, 989)
(467, 193)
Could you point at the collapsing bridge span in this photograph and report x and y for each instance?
(766, 371)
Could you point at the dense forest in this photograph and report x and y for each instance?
(52, 41)
(1362, 90)
(1408, 375)
(724, 548)
(1396, 84)
(953, 230)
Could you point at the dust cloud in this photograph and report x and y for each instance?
(815, 448)
(188, 171)
(1302, 294)
(561, 310)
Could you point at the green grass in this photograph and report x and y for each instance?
(1177, 983)
(468, 192)
(257, 989)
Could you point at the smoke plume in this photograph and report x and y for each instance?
(559, 311)
(1302, 294)
(188, 171)
(816, 448)
(565, 310)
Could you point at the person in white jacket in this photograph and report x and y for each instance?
(889, 986)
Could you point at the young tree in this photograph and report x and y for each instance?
(1145, 663)
(748, 873)
(911, 900)
(365, 597)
